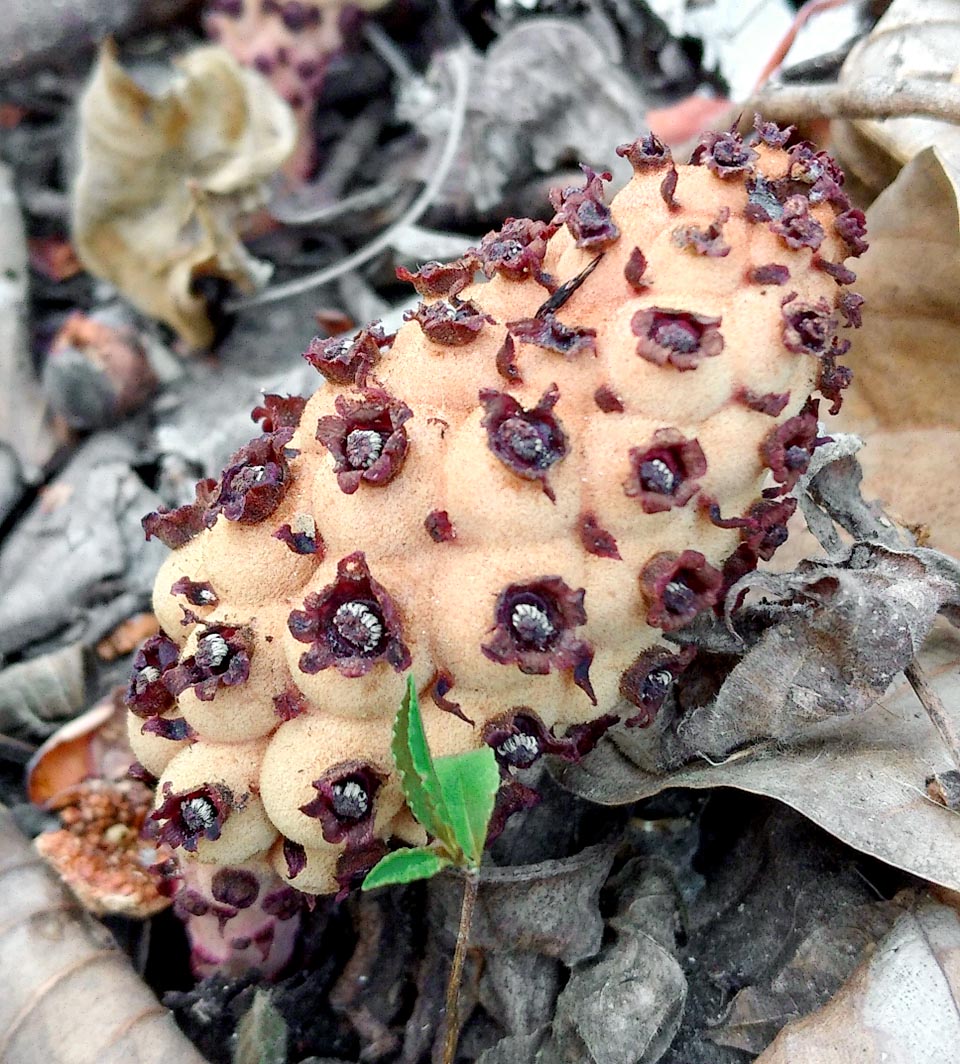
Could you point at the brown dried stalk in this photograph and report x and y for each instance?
(936, 710)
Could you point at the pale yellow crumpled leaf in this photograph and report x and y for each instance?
(902, 1006)
(915, 39)
(905, 398)
(165, 181)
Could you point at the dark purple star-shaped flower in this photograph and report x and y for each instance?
(442, 278)
(147, 694)
(551, 334)
(648, 681)
(516, 250)
(520, 738)
(351, 624)
(186, 818)
(808, 328)
(796, 226)
(176, 527)
(677, 587)
(534, 626)
(528, 442)
(832, 379)
(197, 593)
(302, 539)
(771, 134)
(724, 153)
(279, 412)
(222, 659)
(852, 227)
(348, 361)
(767, 530)
(367, 438)
(346, 795)
(679, 337)
(452, 322)
(646, 153)
(254, 483)
(787, 448)
(664, 474)
(584, 212)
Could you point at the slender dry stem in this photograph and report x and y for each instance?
(868, 98)
(451, 1008)
(935, 708)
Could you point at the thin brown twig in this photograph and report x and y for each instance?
(935, 708)
(451, 1008)
(868, 98)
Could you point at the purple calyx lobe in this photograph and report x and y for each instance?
(548, 332)
(442, 278)
(528, 442)
(352, 624)
(534, 629)
(708, 241)
(366, 438)
(279, 412)
(664, 474)
(594, 539)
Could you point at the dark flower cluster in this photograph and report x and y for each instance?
(452, 322)
(534, 629)
(351, 624)
(584, 211)
(648, 681)
(677, 587)
(222, 659)
(646, 153)
(679, 337)
(345, 361)
(366, 437)
(528, 442)
(664, 474)
(344, 805)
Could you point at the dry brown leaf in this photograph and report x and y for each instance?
(915, 39)
(72, 997)
(861, 778)
(165, 180)
(901, 1007)
(906, 372)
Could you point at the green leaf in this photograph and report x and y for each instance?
(421, 787)
(261, 1036)
(404, 866)
(469, 784)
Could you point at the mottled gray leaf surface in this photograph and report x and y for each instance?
(859, 777)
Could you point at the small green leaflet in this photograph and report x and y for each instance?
(469, 784)
(452, 797)
(418, 777)
(404, 866)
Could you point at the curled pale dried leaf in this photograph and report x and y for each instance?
(901, 1006)
(166, 179)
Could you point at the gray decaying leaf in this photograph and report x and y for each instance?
(36, 694)
(841, 634)
(550, 907)
(859, 777)
(544, 91)
(261, 1033)
(519, 989)
(24, 424)
(80, 549)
